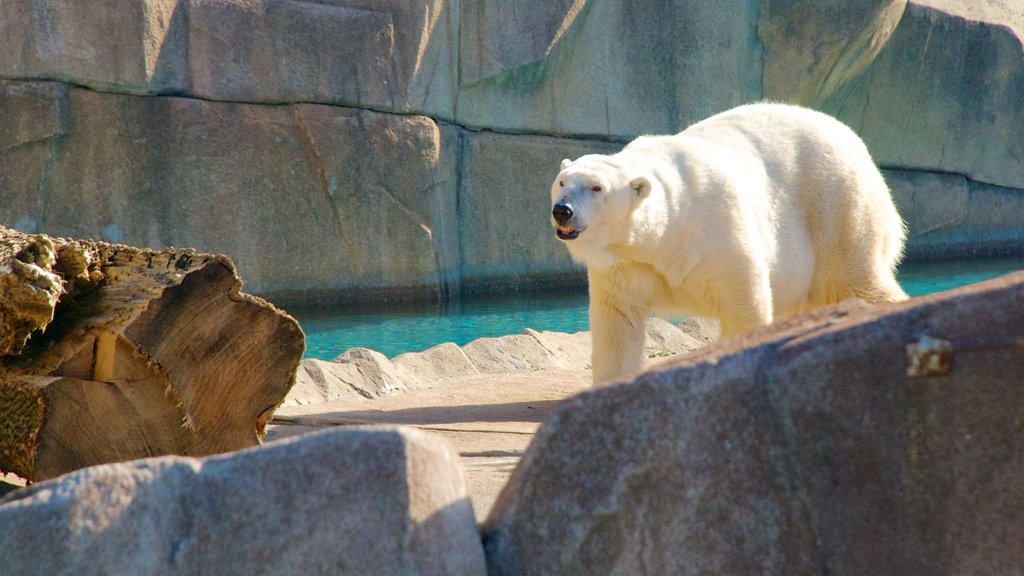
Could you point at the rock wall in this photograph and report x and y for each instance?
(378, 148)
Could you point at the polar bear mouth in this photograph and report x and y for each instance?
(566, 232)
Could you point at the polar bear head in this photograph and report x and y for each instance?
(592, 201)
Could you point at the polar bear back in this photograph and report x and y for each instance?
(800, 188)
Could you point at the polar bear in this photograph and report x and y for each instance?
(753, 215)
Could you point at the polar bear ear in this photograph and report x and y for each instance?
(566, 163)
(642, 186)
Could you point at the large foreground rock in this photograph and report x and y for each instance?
(352, 502)
(858, 440)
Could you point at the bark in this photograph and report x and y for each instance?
(110, 353)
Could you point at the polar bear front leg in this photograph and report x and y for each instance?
(745, 299)
(618, 330)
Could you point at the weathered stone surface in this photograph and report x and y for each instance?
(949, 215)
(505, 205)
(374, 501)
(33, 111)
(845, 38)
(363, 373)
(842, 442)
(944, 93)
(132, 46)
(490, 420)
(289, 191)
(593, 78)
(377, 54)
(508, 354)
(318, 381)
(289, 51)
(446, 360)
(504, 36)
(572, 351)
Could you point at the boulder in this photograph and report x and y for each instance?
(844, 39)
(341, 502)
(360, 372)
(508, 354)
(881, 439)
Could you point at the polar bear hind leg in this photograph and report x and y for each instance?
(864, 268)
(746, 298)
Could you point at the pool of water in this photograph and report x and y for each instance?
(396, 329)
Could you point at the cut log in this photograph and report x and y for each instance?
(110, 353)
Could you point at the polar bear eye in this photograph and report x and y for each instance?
(596, 188)
(561, 183)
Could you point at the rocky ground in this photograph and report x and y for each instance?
(489, 419)
(502, 391)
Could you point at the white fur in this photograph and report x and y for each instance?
(752, 215)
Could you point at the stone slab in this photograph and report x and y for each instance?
(308, 505)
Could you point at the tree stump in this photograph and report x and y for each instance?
(111, 353)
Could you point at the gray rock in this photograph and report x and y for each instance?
(373, 501)
(313, 384)
(945, 92)
(567, 68)
(289, 51)
(359, 372)
(569, 351)
(667, 339)
(364, 373)
(377, 54)
(949, 215)
(505, 208)
(370, 373)
(439, 362)
(128, 46)
(509, 354)
(855, 440)
(288, 191)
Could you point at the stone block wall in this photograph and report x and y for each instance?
(377, 148)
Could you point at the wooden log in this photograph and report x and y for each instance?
(109, 353)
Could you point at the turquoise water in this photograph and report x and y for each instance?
(396, 329)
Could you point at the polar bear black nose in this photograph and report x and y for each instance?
(562, 212)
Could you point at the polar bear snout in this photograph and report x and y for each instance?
(563, 213)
